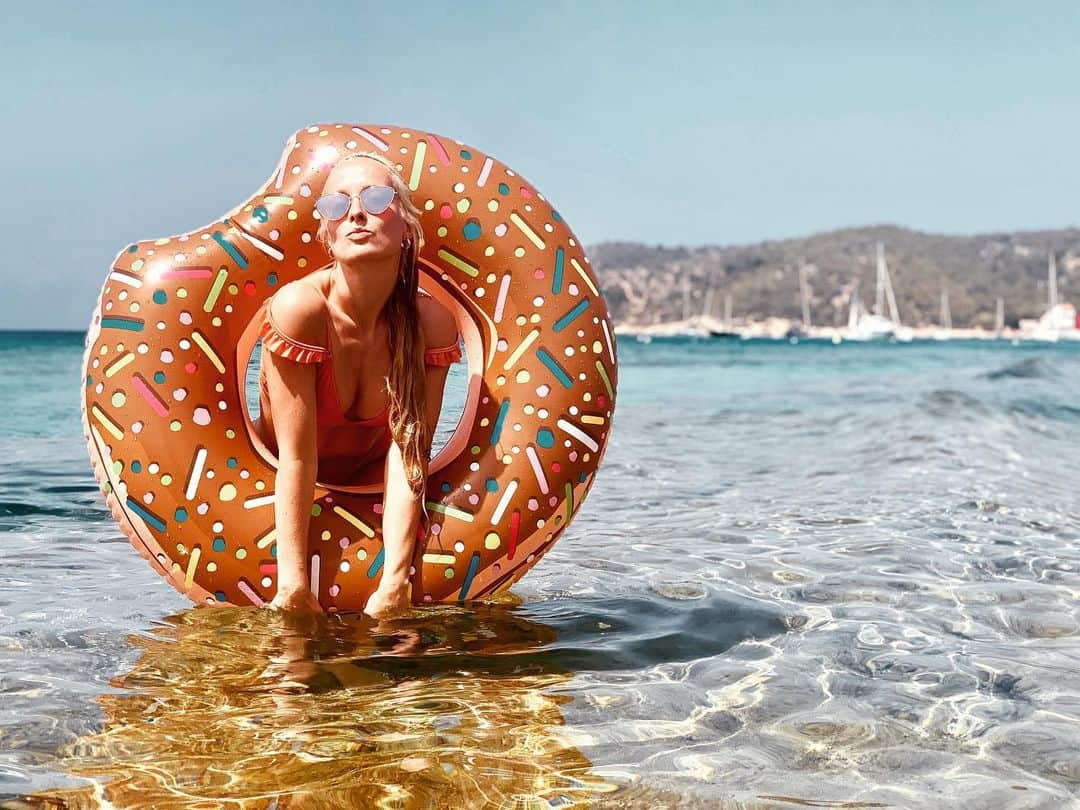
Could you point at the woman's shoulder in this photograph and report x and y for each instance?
(298, 310)
(436, 323)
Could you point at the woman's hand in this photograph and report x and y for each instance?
(388, 599)
(295, 600)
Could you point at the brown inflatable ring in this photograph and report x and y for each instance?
(164, 409)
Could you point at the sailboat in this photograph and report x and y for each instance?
(1059, 322)
(726, 328)
(802, 330)
(864, 325)
(690, 326)
(945, 330)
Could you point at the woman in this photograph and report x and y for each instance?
(354, 366)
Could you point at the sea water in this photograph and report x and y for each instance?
(806, 575)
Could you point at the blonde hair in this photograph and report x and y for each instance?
(405, 380)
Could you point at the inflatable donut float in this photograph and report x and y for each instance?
(171, 439)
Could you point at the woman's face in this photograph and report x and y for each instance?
(360, 236)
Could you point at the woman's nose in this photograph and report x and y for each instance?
(356, 208)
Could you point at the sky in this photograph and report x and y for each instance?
(674, 123)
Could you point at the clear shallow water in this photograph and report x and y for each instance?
(805, 574)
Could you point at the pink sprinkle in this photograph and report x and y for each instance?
(525, 193)
(190, 368)
(445, 211)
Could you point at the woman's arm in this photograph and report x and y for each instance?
(291, 393)
(292, 397)
(401, 506)
(401, 512)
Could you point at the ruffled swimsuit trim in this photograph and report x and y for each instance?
(281, 344)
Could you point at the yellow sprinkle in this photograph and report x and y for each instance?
(193, 563)
(439, 559)
(106, 422)
(584, 276)
(352, 519)
(118, 364)
(523, 226)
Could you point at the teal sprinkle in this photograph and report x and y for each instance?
(496, 429)
(504, 189)
(160, 297)
(555, 215)
(545, 438)
(159, 377)
(466, 155)
(136, 466)
(260, 214)
(89, 380)
(219, 544)
(133, 248)
(560, 373)
(231, 462)
(271, 279)
(474, 566)
(128, 324)
(220, 596)
(569, 317)
(376, 564)
(556, 277)
(445, 486)
(228, 247)
(491, 485)
(471, 231)
(273, 550)
(180, 515)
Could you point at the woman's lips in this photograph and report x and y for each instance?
(359, 236)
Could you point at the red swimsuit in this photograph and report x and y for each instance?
(345, 445)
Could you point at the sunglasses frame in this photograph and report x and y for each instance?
(360, 196)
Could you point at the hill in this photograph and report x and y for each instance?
(647, 284)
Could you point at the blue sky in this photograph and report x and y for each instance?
(669, 122)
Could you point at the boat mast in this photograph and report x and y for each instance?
(727, 312)
(855, 311)
(1052, 271)
(707, 309)
(686, 299)
(946, 315)
(885, 282)
(804, 292)
(999, 320)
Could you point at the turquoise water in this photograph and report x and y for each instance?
(806, 573)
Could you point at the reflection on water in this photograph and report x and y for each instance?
(246, 708)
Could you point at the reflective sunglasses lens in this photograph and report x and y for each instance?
(333, 206)
(377, 199)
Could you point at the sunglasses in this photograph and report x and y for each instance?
(373, 199)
